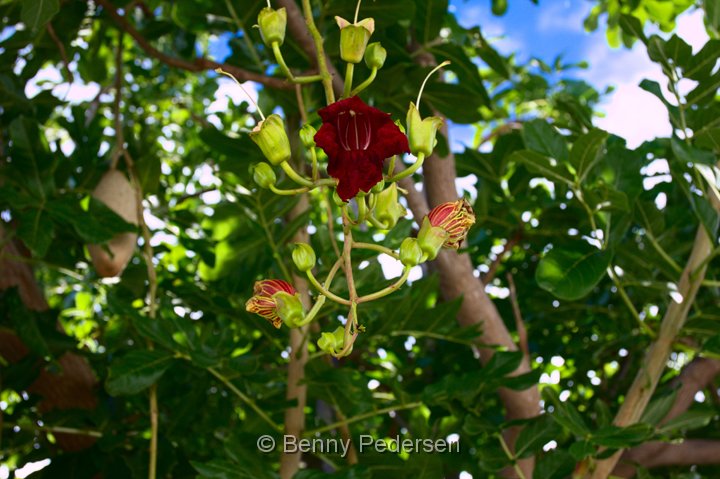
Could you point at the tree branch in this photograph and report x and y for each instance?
(199, 64)
(657, 454)
(654, 363)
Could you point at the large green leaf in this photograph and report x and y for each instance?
(543, 165)
(137, 370)
(571, 274)
(542, 138)
(587, 151)
(36, 13)
(458, 102)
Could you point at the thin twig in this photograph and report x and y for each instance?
(360, 417)
(63, 52)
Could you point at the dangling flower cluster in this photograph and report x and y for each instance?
(357, 140)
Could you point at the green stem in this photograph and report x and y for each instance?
(323, 290)
(349, 70)
(322, 64)
(511, 457)
(376, 247)
(385, 291)
(314, 160)
(286, 71)
(295, 191)
(628, 303)
(366, 83)
(408, 171)
(360, 417)
(271, 241)
(362, 208)
(333, 271)
(244, 398)
(288, 169)
(314, 311)
(376, 223)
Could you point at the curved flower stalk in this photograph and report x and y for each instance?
(357, 139)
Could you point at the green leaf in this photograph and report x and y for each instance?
(687, 421)
(581, 449)
(712, 13)
(542, 138)
(36, 229)
(632, 26)
(709, 139)
(136, 371)
(25, 324)
(220, 469)
(466, 71)
(622, 437)
(587, 151)
(36, 13)
(701, 65)
(535, 435)
(571, 274)
(457, 102)
(430, 15)
(30, 158)
(706, 91)
(557, 464)
(565, 414)
(658, 408)
(543, 165)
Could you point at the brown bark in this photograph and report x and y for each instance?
(696, 376)
(74, 386)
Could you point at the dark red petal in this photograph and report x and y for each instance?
(326, 138)
(355, 171)
(329, 113)
(388, 140)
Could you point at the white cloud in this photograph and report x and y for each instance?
(690, 27)
(631, 112)
(228, 90)
(73, 93)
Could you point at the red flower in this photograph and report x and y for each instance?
(263, 302)
(357, 138)
(456, 218)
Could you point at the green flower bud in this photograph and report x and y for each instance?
(272, 25)
(421, 133)
(388, 209)
(289, 308)
(332, 343)
(375, 55)
(354, 38)
(431, 239)
(410, 252)
(307, 135)
(304, 257)
(379, 187)
(263, 175)
(271, 137)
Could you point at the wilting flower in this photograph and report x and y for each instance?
(456, 218)
(271, 298)
(357, 138)
(446, 226)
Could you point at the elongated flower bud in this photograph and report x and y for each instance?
(271, 137)
(388, 209)
(354, 38)
(304, 257)
(422, 132)
(272, 24)
(454, 217)
(270, 299)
